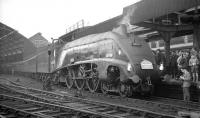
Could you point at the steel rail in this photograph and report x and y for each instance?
(151, 105)
(38, 107)
(98, 107)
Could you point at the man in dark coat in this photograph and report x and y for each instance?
(173, 64)
(160, 61)
(160, 58)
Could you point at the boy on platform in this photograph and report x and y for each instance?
(186, 84)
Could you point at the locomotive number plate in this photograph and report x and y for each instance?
(145, 64)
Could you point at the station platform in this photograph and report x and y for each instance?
(172, 88)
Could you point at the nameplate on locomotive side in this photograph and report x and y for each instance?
(145, 64)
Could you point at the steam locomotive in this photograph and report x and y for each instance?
(113, 61)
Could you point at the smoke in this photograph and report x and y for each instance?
(125, 20)
(128, 15)
(121, 29)
(124, 26)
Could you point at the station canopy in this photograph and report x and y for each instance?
(148, 9)
(150, 16)
(9, 45)
(4, 30)
(13, 45)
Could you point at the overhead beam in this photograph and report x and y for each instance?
(183, 33)
(166, 28)
(149, 9)
(143, 31)
(154, 38)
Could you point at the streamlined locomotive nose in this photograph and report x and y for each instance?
(140, 71)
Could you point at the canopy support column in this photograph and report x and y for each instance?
(196, 36)
(167, 37)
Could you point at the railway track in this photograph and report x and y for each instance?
(154, 103)
(31, 106)
(131, 107)
(82, 106)
(182, 103)
(16, 104)
(21, 107)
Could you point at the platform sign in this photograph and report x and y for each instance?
(145, 64)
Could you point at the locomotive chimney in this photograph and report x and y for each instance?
(122, 30)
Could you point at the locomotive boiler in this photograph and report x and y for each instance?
(114, 61)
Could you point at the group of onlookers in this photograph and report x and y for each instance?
(188, 59)
(182, 65)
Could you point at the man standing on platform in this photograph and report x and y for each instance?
(173, 65)
(186, 84)
(160, 58)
